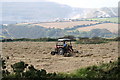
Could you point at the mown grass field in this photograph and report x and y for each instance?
(109, 26)
(38, 54)
(60, 25)
(109, 70)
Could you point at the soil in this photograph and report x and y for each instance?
(38, 54)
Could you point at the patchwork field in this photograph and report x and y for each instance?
(109, 26)
(114, 19)
(62, 25)
(113, 27)
(38, 54)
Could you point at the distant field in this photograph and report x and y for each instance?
(109, 26)
(115, 20)
(113, 27)
(62, 25)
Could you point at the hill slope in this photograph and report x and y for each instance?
(16, 12)
(36, 31)
(109, 26)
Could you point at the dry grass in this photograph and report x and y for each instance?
(62, 25)
(109, 26)
(38, 54)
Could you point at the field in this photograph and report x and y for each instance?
(61, 25)
(109, 26)
(113, 27)
(114, 19)
(38, 54)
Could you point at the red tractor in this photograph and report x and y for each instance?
(63, 47)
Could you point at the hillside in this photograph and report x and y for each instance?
(109, 26)
(17, 12)
(60, 29)
(79, 25)
(60, 25)
(94, 12)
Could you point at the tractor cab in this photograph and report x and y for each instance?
(62, 42)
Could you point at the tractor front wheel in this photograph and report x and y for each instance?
(53, 53)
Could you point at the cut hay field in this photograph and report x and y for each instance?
(113, 27)
(61, 25)
(38, 54)
(109, 26)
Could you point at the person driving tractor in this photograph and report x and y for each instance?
(64, 44)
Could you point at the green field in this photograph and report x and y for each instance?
(113, 20)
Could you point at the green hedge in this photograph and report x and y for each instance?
(94, 40)
(26, 39)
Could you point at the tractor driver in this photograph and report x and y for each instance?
(65, 46)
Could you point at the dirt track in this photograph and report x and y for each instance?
(38, 54)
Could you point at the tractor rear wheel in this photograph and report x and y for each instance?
(61, 51)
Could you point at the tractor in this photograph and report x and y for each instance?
(63, 47)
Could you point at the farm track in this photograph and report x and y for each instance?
(38, 54)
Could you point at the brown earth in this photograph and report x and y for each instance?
(38, 54)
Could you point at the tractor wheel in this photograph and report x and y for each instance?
(61, 51)
(53, 53)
